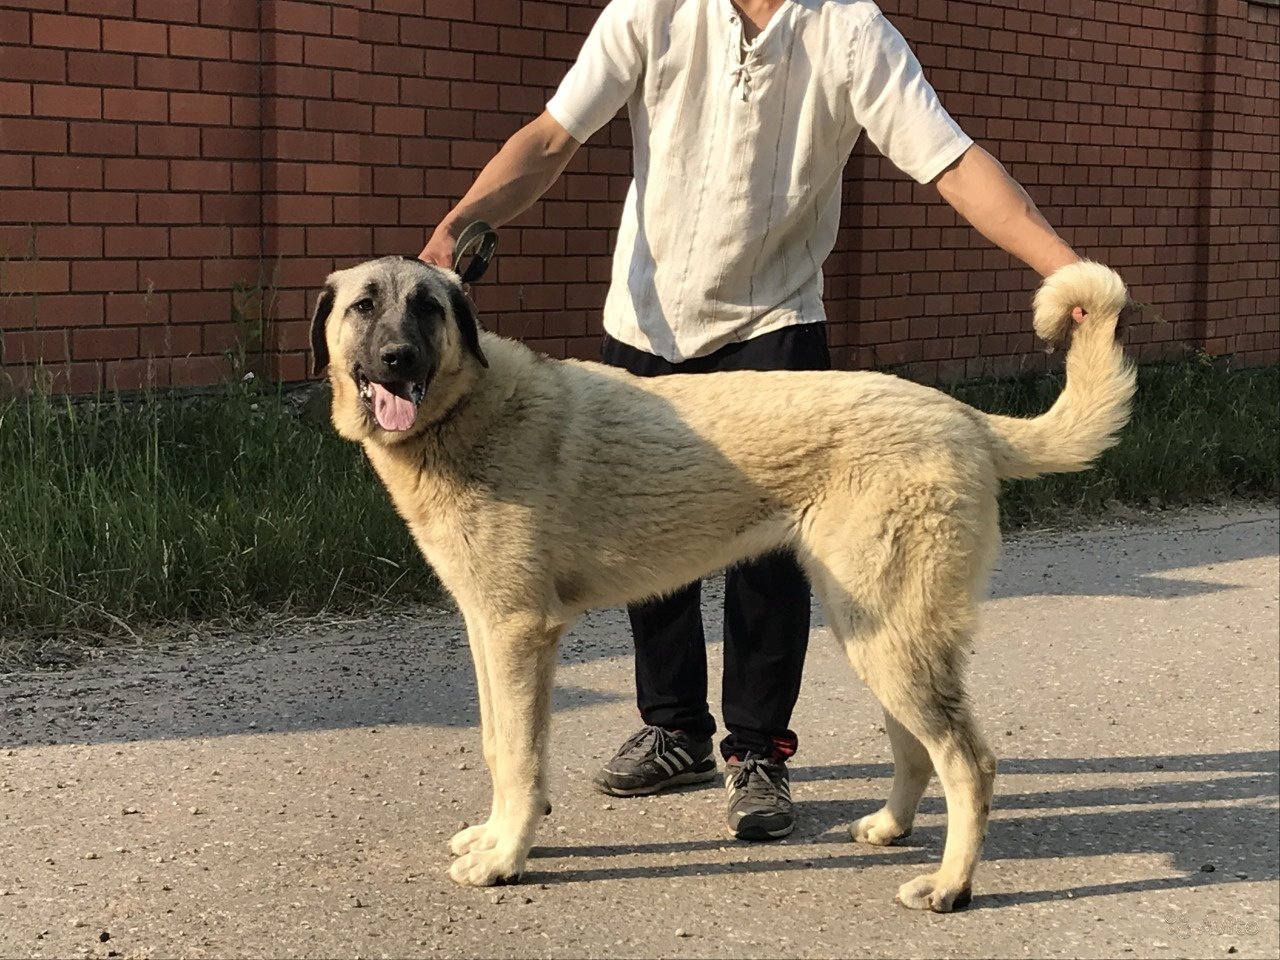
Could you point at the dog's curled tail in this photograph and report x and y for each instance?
(1094, 404)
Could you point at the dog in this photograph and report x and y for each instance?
(538, 489)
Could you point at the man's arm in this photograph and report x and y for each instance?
(981, 191)
(521, 172)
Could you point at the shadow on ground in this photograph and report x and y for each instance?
(1179, 820)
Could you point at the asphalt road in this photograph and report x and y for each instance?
(290, 793)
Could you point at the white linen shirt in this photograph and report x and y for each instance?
(739, 151)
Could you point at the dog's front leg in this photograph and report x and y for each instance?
(519, 662)
(481, 836)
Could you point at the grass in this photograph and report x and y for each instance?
(1199, 434)
(116, 515)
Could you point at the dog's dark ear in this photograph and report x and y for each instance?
(465, 316)
(319, 346)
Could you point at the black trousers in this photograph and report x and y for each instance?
(766, 616)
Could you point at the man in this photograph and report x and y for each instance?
(743, 116)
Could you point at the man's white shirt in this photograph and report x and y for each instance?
(739, 152)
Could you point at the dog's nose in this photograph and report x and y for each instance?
(399, 357)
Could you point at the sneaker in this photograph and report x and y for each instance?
(759, 798)
(655, 759)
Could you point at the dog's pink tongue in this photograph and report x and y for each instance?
(393, 413)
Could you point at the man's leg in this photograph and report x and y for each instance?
(766, 636)
(674, 746)
(671, 662)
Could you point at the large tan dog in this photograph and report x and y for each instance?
(538, 489)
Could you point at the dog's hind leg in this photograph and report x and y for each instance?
(520, 659)
(912, 769)
(902, 607)
(918, 680)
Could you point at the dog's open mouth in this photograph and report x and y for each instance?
(393, 405)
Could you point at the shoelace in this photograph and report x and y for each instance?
(648, 739)
(754, 776)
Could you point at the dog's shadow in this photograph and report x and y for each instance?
(1182, 821)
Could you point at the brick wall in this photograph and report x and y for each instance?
(172, 169)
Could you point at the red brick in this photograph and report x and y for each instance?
(100, 343)
(103, 208)
(73, 172)
(89, 137)
(170, 274)
(23, 63)
(157, 208)
(239, 14)
(200, 307)
(199, 109)
(100, 69)
(145, 105)
(136, 374)
(36, 136)
(135, 36)
(297, 17)
(53, 30)
(400, 121)
(230, 143)
(136, 174)
(204, 43)
(37, 276)
(35, 346)
(168, 11)
(339, 52)
(108, 276)
(242, 78)
(33, 206)
(168, 141)
(15, 26)
(66, 101)
(126, 241)
(15, 99)
(336, 178)
(147, 307)
(15, 170)
(173, 340)
(168, 73)
(197, 371)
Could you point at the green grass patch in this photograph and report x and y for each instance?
(116, 516)
(120, 515)
(1199, 434)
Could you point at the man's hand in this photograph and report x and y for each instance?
(439, 249)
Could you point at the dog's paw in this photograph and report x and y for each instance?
(479, 837)
(484, 868)
(879, 828)
(933, 892)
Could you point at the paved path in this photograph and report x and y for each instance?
(292, 796)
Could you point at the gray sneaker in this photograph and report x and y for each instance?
(654, 759)
(759, 798)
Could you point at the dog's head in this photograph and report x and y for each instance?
(401, 344)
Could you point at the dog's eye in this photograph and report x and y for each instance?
(363, 306)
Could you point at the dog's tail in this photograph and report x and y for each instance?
(1094, 404)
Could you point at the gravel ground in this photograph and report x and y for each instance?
(290, 794)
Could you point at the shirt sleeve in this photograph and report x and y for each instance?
(605, 75)
(898, 107)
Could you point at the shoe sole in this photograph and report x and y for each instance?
(757, 834)
(679, 780)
